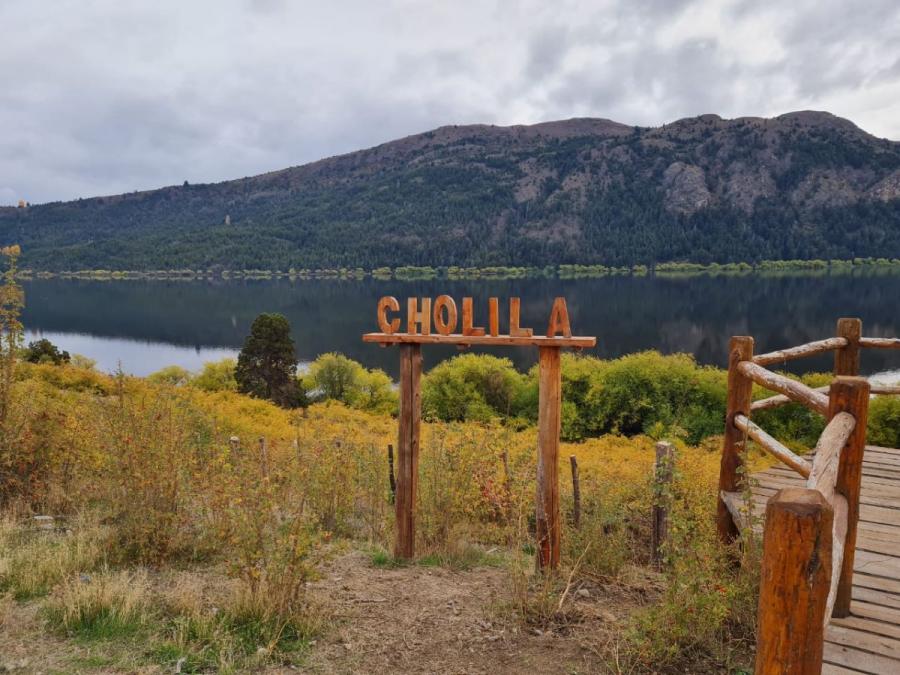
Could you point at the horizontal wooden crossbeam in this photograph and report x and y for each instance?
(575, 342)
(809, 349)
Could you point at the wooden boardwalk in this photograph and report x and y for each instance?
(868, 641)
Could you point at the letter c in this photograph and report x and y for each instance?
(386, 303)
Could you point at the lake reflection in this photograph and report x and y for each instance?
(145, 325)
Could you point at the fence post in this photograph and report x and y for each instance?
(740, 389)
(846, 359)
(662, 487)
(576, 493)
(849, 394)
(796, 575)
(408, 449)
(547, 502)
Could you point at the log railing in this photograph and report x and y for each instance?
(809, 540)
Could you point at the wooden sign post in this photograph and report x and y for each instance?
(420, 313)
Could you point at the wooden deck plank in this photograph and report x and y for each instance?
(877, 644)
(868, 641)
(860, 660)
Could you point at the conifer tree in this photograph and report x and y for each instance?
(267, 364)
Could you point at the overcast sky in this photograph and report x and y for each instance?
(109, 96)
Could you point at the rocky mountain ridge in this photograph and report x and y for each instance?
(804, 184)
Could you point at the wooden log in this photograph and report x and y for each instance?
(880, 343)
(740, 389)
(392, 482)
(800, 352)
(882, 389)
(838, 546)
(823, 476)
(796, 391)
(850, 395)
(547, 506)
(574, 342)
(576, 493)
(408, 449)
(796, 570)
(773, 446)
(662, 496)
(779, 400)
(846, 359)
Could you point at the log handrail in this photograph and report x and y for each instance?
(823, 476)
(772, 446)
(801, 351)
(780, 399)
(819, 523)
(794, 390)
(810, 533)
(879, 343)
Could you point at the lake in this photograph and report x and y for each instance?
(145, 325)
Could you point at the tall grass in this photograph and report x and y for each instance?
(33, 561)
(101, 606)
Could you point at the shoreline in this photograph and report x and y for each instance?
(453, 273)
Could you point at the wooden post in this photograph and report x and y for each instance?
(846, 359)
(849, 394)
(408, 449)
(547, 503)
(391, 481)
(740, 389)
(662, 486)
(796, 574)
(576, 493)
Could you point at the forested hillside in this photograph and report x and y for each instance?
(802, 185)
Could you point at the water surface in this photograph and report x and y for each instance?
(145, 325)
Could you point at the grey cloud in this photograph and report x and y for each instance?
(105, 97)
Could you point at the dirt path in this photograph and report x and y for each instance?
(416, 619)
(433, 620)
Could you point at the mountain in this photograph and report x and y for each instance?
(801, 185)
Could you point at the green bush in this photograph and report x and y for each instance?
(172, 375)
(473, 387)
(216, 376)
(884, 422)
(335, 377)
(645, 392)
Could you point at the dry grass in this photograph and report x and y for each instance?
(33, 560)
(103, 605)
(167, 489)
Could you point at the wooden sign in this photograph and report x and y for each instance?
(441, 322)
(437, 322)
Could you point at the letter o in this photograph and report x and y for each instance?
(445, 302)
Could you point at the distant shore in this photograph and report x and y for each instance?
(414, 273)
